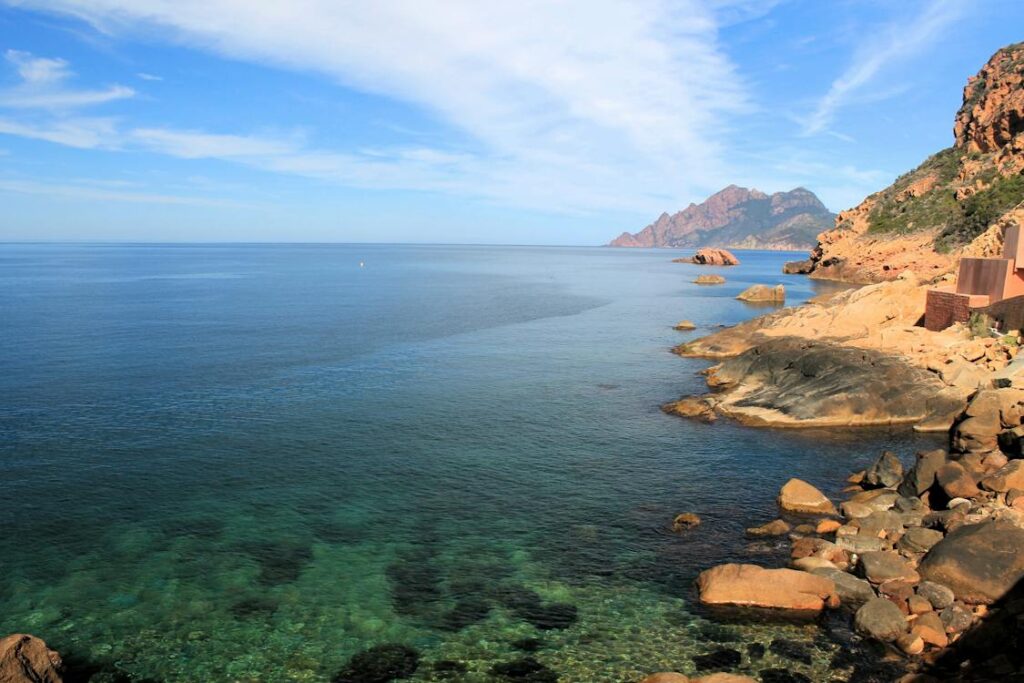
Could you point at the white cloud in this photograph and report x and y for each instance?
(888, 46)
(148, 77)
(80, 132)
(42, 86)
(611, 102)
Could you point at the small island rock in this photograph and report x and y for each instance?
(710, 280)
(714, 257)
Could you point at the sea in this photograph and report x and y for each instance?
(329, 462)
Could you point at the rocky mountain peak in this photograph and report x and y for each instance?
(992, 114)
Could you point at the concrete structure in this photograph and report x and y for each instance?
(980, 282)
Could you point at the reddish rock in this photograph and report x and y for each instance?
(714, 257)
(27, 659)
(955, 481)
(763, 294)
(1009, 477)
(748, 585)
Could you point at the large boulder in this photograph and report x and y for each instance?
(979, 562)
(748, 585)
(27, 659)
(881, 619)
(797, 495)
(714, 257)
(989, 414)
(956, 481)
(881, 566)
(763, 294)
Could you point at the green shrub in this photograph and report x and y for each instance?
(979, 324)
(976, 213)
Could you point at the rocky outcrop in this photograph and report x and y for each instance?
(958, 202)
(27, 659)
(712, 257)
(763, 294)
(740, 218)
(790, 382)
(709, 280)
(747, 585)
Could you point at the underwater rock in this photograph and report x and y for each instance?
(528, 606)
(27, 659)
(254, 606)
(415, 584)
(782, 676)
(450, 666)
(380, 664)
(528, 644)
(756, 650)
(280, 561)
(791, 649)
(526, 669)
(722, 658)
(467, 611)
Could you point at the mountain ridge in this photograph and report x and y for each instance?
(738, 217)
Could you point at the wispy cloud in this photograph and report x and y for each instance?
(43, 86)
(543, 94)
(79, 192)
(148, 77)
(892, 44)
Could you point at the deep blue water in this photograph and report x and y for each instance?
(248, 463)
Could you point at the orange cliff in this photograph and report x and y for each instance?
(958, 203)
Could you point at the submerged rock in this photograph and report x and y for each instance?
(380, 664)
(776, 527)
(27, 659)
(710, 280)
(747, 585)
(526, 669)
(722, 658)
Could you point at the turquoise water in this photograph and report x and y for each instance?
(252, 463)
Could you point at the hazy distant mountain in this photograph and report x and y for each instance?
(738, 217)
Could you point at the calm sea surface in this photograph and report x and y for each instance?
(250, 463)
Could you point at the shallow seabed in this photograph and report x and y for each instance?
(250, 463)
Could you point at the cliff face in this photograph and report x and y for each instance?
(957, 203)
(738, 217)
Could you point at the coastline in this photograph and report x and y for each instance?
(881, 554)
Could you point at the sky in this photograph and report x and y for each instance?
(525, 122)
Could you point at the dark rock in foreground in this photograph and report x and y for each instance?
(979, 562)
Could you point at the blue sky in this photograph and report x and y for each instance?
(462, 121)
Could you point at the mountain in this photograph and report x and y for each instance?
(957, 203)
(738, 217)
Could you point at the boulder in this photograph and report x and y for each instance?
(710, 280)
(919, 540)
(851, 590)
(694, 407)
(748, 585)
(910, 643)
(724, 678)
(880, 566)
(1011, 476)
(763, 294)
(27, 659)
(886, 472)
(776, 527)
(684, 325)
(921, 476)
(929, 626)
(956, 481)
(979, 562)
(880, 619)
(827, 526)
(666, 677)
(714, 257)
(797, 495)
(810, 563)
(938, 595)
